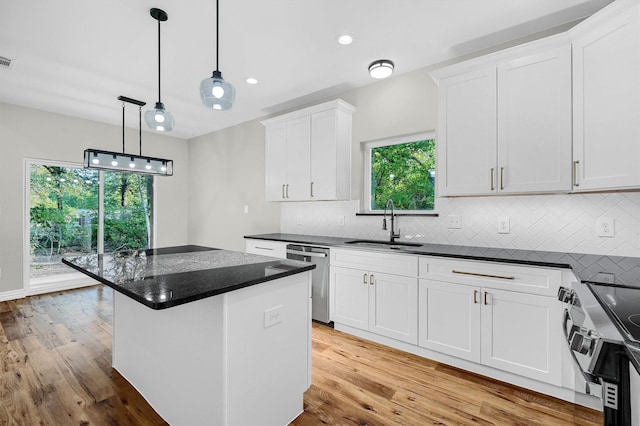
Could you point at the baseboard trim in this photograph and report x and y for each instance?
(47, 288)
(12, 295)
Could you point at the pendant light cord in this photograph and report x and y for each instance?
(123, 127)
(217, 33)
(159, 99)
(140, 127)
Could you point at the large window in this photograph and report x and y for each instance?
(401, 169)
(75, 211)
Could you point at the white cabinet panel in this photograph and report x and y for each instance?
(396, 264)
(393, 307)
(606, 103)
(449, 319)
(298, 154)
(467, 133)
(350, 296)
(534, 123)
(520, 334)
(266, 248)
(276, 161)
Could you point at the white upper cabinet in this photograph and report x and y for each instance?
(606, 99)
(466, 145)
(308, 154)
(534, 122)
(505, 121)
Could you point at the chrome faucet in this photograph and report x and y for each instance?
(392, 234)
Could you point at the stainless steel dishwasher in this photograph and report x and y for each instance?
(320, 277)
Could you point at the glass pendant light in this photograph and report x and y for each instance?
(159, 118)
(215, 92)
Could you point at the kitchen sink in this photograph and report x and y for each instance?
(397, 245)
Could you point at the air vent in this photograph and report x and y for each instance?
(5, 62)
(610, 395)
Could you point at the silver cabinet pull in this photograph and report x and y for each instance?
(364, 278)
(311, 189)
(485, 298)
(283, 191)
(575, 173)
(475, 296)
(493, 187)
(265, 248)
(287, 190)
(501, 177)
(477, 274)
(371, 279)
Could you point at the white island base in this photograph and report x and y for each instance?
(238, 358)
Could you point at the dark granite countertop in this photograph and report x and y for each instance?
(611, 270)
(166, 277)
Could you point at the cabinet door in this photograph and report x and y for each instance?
(298, 157)
(467, 133)
(393, 307)
(450, 319)
(521, 334)
(606, 103)
(534, 123)
(323, 155)
(350, 295)
(275, 161)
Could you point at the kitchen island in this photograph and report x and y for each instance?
(210, 336)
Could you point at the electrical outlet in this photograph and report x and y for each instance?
(299, 219)
(246, 209)
(504, 226)
(273, 316)
(605, 227)
(454, 222)
(341, 220)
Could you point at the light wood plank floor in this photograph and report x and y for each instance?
(55, 369)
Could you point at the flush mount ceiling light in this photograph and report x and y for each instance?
(215, 92)
(123, 162)
(345, 39)
(158, 118)
(382, 68)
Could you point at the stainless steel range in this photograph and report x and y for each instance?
(598, 349)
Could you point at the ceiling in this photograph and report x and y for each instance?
(76, 57)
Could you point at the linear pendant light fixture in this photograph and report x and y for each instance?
(215, 92)
(158, 118)
(129, 163)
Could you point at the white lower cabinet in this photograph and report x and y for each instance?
(511, 331)
(382, 303)
(266, 248)
(449, 319)
(376, 292)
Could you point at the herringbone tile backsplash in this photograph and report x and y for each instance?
(563, 222)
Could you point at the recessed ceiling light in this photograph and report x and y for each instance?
(251, 80)
(345, 39)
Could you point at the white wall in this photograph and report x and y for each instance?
(29, 133)
(226, 174)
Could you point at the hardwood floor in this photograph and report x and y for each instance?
(55, 369)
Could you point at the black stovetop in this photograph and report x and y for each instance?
(623, 305)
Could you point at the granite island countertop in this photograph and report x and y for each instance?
(165, 277)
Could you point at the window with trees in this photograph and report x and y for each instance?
(401, 169)
(76, 211)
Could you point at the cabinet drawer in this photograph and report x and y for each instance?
(525, 279)
(396, 264)
(266, 248)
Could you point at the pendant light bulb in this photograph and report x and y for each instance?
(215, 92)
(159, 119)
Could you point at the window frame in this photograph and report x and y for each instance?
(367, 148)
